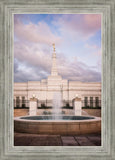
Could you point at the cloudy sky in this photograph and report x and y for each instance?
(77, 38)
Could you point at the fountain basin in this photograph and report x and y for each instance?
(68, 125)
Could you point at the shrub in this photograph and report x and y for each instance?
(91, 107)
(67, 105)
(63, 112)
(49, 112)
(21, 107)
(45, 112)
(43, 105)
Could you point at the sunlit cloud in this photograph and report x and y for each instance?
(36, 33)
(83, 25)
(77, 57)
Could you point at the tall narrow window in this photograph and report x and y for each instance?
(96, 101)
(86, 101)
(91, 101)
(17, 102)
(23, 102)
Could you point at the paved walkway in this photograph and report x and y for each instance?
(23, 139)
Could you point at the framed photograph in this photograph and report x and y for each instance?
(57, 91)
(57, 79)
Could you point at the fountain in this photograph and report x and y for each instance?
(57, 106)
(58, 124)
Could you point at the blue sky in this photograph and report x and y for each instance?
(78, 46)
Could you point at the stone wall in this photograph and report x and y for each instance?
(20, 112)
(58, 128)
(24, 112)
(92, 112)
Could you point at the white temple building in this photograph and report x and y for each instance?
(44, 90)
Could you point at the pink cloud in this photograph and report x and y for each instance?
(91, 23)
(76, 70)
(98, 52)
(35, 64)
(37, 33)
(33, 55)
(79, 24)
(94, 46)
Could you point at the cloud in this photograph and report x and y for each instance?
(93, 46)
(26, 72)
(32, 47)
(92, 23)
(75, 25)
(98, 52)
(76, 70)
(32, 63)
(36, 33)
(94, 49)
(33, 55)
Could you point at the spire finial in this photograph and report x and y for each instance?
(53, 46)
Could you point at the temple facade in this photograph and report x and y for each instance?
(44, 90)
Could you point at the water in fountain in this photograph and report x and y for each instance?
(57, 104)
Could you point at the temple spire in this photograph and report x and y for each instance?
(54, 71)
(53, 46)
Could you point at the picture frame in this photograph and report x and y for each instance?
(7, 148)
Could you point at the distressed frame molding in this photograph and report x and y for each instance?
(105, 152)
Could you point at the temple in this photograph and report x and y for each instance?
(90, 92)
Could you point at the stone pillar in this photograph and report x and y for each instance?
(88, 98)
(78, 106)
(33, 106)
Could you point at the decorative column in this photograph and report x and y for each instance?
(33, 106)
(77, 106)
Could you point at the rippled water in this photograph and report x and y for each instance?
(57, 118)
